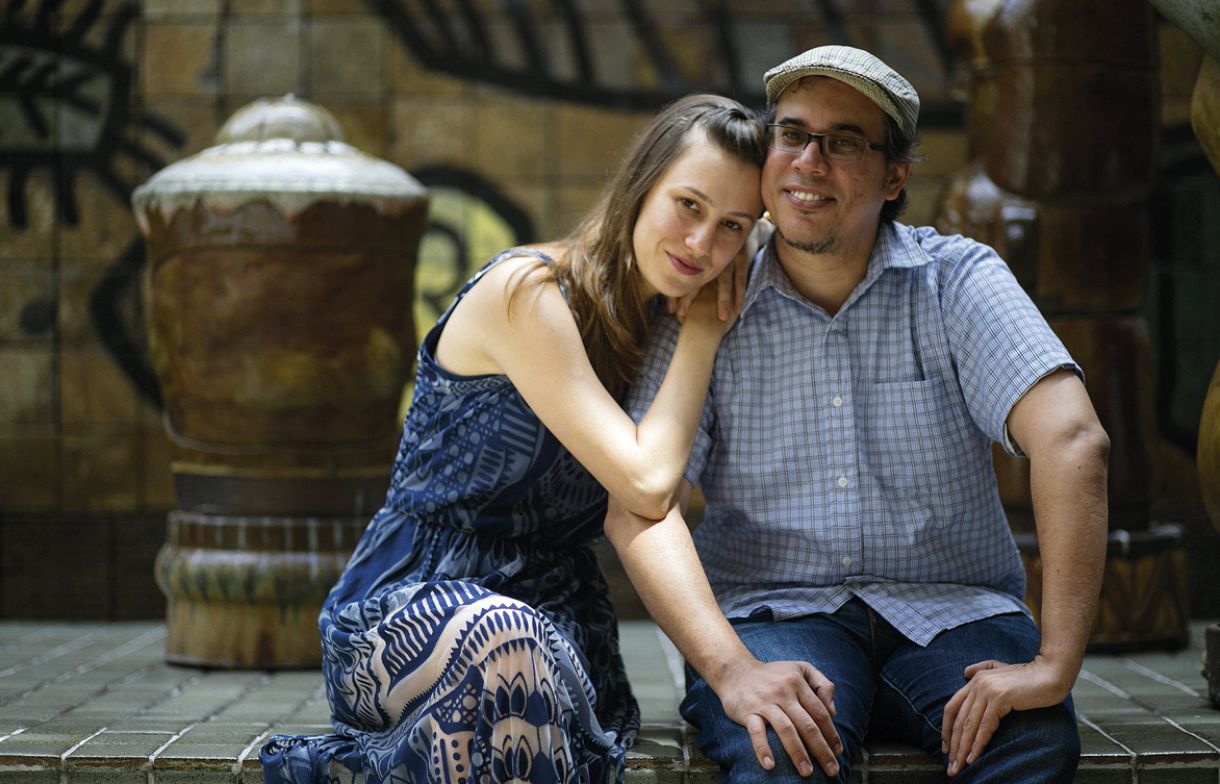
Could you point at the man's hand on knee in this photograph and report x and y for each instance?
(993, 690)
(796, 701)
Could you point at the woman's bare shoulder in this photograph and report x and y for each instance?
(520, 266)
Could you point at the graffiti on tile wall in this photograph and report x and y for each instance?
(577, 52)
(66, 105)
(469, 220)
(65, 101)
(67, 109)
(574, 51)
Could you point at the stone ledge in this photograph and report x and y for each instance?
(95, 703)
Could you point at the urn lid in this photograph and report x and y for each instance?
(1195, 18)
(285, 151)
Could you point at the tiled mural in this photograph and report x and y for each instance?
(511, 111)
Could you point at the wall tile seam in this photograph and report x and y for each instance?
(152, 758)
(63, 649)
(1132, 757)
(251, 748)
(239, 763)
(63, 758)
(84, 669)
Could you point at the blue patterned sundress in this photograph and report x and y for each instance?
(471, 637)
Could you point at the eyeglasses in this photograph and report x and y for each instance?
(836, 146)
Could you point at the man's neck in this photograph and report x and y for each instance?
(825, 279)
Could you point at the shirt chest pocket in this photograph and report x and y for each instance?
(917, 441)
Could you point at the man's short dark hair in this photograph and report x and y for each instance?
(899, 148)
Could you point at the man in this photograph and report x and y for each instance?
(853, 536)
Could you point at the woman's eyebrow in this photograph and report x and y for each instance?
(708, 199)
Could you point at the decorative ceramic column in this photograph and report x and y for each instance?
(1198, 19)
(1209, 483)
(279, 297)
(1063, 126)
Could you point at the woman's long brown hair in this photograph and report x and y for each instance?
(599, 270)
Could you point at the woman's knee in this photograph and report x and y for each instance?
(505, 623)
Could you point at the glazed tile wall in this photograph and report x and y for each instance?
(84, 463)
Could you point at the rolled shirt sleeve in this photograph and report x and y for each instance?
(1002, 344)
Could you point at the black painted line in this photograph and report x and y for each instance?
(524, 26)
(45, 11)
(715, 13)
(117, 30)
(65, 194)
(83, 22)
(440, 21)
(933, 20)
(16, 195)
(658, 54)
(477, 30)
(159, 126)
(577, 39)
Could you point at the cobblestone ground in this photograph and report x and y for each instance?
(96, 704)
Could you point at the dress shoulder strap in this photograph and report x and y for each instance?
(544, 258)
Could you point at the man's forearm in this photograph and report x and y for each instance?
(1068, 451)
(1068, 486)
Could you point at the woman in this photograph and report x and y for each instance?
(471, 637)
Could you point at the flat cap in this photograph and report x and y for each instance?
(856, 68)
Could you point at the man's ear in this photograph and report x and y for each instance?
(896, 176)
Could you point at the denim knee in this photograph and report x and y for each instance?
(739, 765)
(1041, 745)
(1053, 727)
(727, 743)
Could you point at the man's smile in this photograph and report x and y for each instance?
(807, 196)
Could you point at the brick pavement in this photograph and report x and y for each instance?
(96, 704)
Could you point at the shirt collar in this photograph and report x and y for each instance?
(766, 272)
(895, 248)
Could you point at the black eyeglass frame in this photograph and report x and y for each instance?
(821, 140)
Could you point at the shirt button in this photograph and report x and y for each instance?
(838, 401)
(842, 481)
(847, 560)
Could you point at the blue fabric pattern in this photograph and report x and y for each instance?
(471, 637)
(851, 455)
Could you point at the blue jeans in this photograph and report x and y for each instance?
(887, 685)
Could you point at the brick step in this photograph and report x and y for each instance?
(94, 703)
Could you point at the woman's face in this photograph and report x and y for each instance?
(695, 219)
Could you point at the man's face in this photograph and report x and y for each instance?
(825, 206)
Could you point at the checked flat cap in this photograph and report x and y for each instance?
(856, 68)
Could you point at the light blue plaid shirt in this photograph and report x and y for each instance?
(852, 455)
